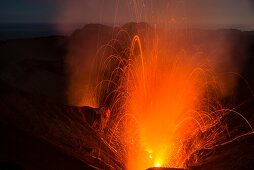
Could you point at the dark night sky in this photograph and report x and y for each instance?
(211, 12)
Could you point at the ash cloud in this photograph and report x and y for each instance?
(252, 6)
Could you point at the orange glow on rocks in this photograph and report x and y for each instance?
(162, 94)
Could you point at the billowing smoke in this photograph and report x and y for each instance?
(87, 47)
(83, 62)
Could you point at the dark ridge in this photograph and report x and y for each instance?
(22, 151)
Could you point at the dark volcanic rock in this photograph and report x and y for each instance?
(22, 151)
(41, 134)
(237, 154)
(35, 65)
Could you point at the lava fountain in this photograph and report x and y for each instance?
(168, 107)
(164, 99)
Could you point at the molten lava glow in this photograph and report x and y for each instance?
(164, 97)
(157, 165)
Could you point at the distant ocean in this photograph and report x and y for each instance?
(28, 30)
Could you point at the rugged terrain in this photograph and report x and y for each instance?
(42, 129)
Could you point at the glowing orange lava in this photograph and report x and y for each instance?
(164, 102)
